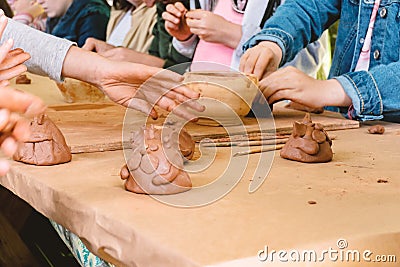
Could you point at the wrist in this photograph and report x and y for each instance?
(184, 38)
(275, 48)
(232, 35)
(336, 96)
(91, 69)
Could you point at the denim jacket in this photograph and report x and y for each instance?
(374, 93)
(83, 19)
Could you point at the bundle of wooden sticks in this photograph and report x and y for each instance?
(265, 142)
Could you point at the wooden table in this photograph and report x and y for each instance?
(353, 201)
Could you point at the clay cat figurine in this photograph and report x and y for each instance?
(308, 143)
(156, 162)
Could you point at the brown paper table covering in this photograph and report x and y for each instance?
(87, 196)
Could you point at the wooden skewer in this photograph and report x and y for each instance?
(264, 142)
(258, 150)
(243, 138)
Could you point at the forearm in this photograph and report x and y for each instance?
(231, 35)
(82, 65)
(93, 68)
(47, 51)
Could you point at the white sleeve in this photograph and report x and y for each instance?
(187, 47)
(47, 51)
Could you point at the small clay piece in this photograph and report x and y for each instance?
(46, 145)
(308, 143)
(382, 181)
(156, 162)
(376, 129)
(301, 107)
(312, 202)
(22, 79)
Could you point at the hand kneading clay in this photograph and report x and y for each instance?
(156, 162)
(46, 145)
(308, 143)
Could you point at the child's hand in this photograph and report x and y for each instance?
(175, 22)
(291, 84)
(261, 60)
(213, 28)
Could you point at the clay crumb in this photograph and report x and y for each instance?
(382, 181)
(22, 79)
(376, 129)
(312, 202)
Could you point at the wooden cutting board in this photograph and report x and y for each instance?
(98, 127)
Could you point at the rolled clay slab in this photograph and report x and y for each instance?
(46, 145)
(156, 163)
(308, 143)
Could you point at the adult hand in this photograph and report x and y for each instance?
(261, 60)
(213, 28)
(10, 60)
(175, 22)
(291, 84)
(142, 87)
(130, 84)
(95, 45)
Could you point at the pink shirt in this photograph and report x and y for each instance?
(363, 61)
(215, 52)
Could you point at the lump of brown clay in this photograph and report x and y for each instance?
(22, 79)
(46, 145)
(301, 107)
(186, 144)
(156, 162)
(308, 143)
(376, 129)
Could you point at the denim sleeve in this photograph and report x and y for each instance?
(374, 93)
(297, 23)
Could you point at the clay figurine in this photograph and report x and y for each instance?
(308, 143)
(22, 79)
(46, 145)
(156, 162)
